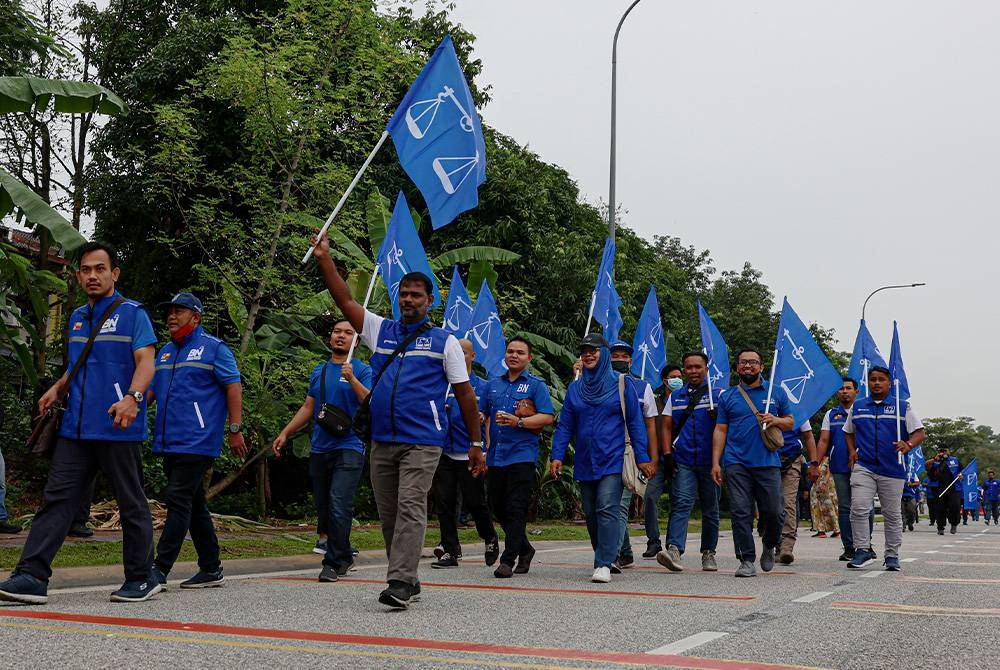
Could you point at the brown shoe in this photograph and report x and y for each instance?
(503, 571)
(524, 562)
(786, 558)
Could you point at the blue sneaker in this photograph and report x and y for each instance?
(891, 564)
(862, 557)
(21, 587)
(137, 591)
(160, 577)
(204, 580)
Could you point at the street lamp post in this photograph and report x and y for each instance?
(614, 116)
(883, 288)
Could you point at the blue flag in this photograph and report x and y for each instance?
(458, 309)
(439, 139)
(715, 348)
(486, 333)
(402, 252)
(896, 371)
(915, 464)
(650, 349)
(866, 355)
(970, 486)
(605, 299)
(802, 369)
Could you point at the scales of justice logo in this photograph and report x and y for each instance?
(452, 171)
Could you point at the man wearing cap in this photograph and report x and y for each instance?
(103, 427)
(413, 364)
(752, 471)
(942, 472)
(877, 459)
(621, 362)
(991, 497)
(512, 453)
(196, 388)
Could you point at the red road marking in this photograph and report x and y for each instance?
(631, 658)
(535, 589)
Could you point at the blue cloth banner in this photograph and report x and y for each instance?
(402, 252)
(970, 486)
(802, 369)
(458, 309)
(606, 301)
(715, 348)
(866, 355)
(486, 333)
(439, 139)
(896, 371)
(649, 348)
(915, 464)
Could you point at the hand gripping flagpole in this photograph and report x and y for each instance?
(343, 198)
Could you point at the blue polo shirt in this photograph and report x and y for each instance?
(509, 444)
(340, 394)
(991, 490)
(744, 444)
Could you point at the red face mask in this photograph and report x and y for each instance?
(183, 331)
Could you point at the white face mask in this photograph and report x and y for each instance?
(675, 383)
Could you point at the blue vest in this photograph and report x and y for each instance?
(991, 490)
(107, 373)
(191, 408)
(793, 444)
(838, 443)
(458, 433)
(693, 445)
(407, 404)
(875, 435)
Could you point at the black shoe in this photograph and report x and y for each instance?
(344, 569)
(940, 531)
(625, 561)
(615, 568)
(446, 561)
(137, 591)
(847, 555)
(9, 528)
(160, 577)
(80, 530)
(503, 571)
(524, 562)
(328, 574)
(652, 550)
(204, 580)
(492, 551)
(24, 588)
(911, 526)
(954, 528)
(397, 595)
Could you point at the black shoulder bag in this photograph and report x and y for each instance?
(362, 423)
(331, 418)
(693, 401)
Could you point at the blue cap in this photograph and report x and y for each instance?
(620, 344)
(185, 300)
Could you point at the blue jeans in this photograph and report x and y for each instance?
(340, 469)
(747, 485)
(601, 502)
(3, 489)
(842, 482)
(651, 506)
(691, 479)
(626, 547)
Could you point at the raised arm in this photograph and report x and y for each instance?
(336, 285)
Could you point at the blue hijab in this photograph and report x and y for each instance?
(599, 383)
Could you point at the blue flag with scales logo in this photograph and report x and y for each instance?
(802, 369)
(439, 138)
(915, 465)
(458, 309)
(970, 485)
(606, 301)
(649, 349)
(896, 371)
(402, 252)
(486, 333)
(715, 348)
(866, 356)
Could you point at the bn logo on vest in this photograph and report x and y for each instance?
(423, 343)
(195, 354)
(111, 325)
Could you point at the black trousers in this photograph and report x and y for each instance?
(74, 464)
(451, 477)
(187, 511)
(510, 488)
(949, 508)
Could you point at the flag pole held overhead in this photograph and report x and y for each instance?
(368, 297)
(343, 198)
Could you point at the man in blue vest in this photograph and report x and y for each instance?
(673, 378)
(335, 461)
(752, 471)
(408, 422)
(687, 426)
(196, 388)
(991, 498)
(877, 460)
(103, 426)
(453, 476)
(517, 406)
(942, 472)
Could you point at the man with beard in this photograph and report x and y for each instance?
(942, 471)
(621, 362)
(335, 461)
(196, 387)
(752, 471)
(414, 363)
(877, 461)
(103, 426)
(517, 406)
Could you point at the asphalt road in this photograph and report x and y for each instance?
(815, 613)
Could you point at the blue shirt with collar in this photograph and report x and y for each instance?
(510, 444)
(836, 418)
(991, 490)
(744, 444)
(340, 394)
(459, 440)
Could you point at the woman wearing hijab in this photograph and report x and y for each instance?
(591, 418)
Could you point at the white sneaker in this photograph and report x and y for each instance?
(601, 575)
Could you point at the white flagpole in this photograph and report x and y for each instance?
(864, 371)
(590, 313)
(343, 198)
(952, 482)
(899, 428)
(770, 384)
(368, 296)
(711, 403)
(642, 371)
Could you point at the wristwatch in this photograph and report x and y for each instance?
(235, 428)
(520, 422)
(475, 444)
(137, 395)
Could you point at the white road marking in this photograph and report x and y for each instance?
(813, 597)
(933, 551)
(873, 574)
(690, 642)
(948, 545)
(908, 560)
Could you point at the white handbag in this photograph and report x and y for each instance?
(632, 477)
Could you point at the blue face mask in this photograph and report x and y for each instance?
(675, 383)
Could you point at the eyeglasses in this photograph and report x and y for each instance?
(748, 364)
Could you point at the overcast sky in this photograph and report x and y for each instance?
(838, 147)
